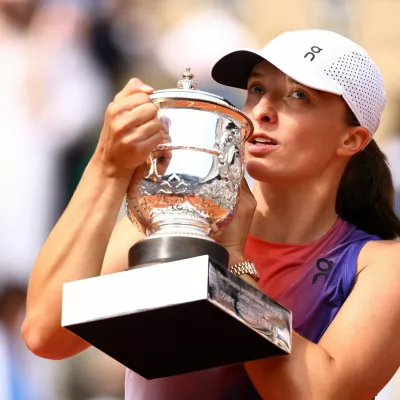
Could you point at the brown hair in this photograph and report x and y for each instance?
(366, 194)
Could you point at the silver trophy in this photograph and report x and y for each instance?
(190, 189)
(177, 309)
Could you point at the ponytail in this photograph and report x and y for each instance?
(366, 194)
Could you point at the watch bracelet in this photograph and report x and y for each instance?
(245, 268)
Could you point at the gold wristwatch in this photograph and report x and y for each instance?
(245, 267)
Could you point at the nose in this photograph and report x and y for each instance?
(264, 112)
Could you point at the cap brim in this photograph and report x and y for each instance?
(234, 70)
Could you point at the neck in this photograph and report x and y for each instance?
(301, 213)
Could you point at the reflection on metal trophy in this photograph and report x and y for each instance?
(190, 190)
(177, 309)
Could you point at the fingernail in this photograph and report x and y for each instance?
(166, 123)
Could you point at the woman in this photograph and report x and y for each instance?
(314, 229)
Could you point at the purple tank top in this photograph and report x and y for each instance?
(312, 280)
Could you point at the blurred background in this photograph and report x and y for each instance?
(62, 62)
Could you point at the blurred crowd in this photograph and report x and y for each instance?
(61, 63)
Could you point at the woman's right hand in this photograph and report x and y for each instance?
(130, 132)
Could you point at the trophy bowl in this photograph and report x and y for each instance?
(190, 188)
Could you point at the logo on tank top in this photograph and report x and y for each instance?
(324, 267)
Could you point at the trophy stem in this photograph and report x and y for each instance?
(180, 227)
(162, 249)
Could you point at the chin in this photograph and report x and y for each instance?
(257, 170)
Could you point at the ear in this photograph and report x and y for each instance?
(353, 141)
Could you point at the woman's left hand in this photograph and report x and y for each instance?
(235, 236)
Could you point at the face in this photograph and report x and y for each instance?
(297, 130)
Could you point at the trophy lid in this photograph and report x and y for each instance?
(188, 95)
(187, 88)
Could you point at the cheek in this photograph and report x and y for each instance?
(248, 106)
(310, 135)
(309, 149)
(305, 149)
(247, 109)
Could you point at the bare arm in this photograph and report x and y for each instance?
(123, 237)
(360, 351)
(74, 250)
(77, 246)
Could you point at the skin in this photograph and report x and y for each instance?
(302, 172)
(346, 363)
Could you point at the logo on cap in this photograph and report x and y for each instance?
(314, 50)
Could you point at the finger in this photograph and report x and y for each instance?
(144, 132)
(246, 194)
(134, 85)
(164, 154)
(143, 114)
(167, 137)
(162, 164)
(148, 144)
(245, 191)
(135, 118)
(166, 123)
(130, 102)
(244, 185)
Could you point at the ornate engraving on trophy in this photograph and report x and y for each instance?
(175, 184)
(153, 171)
(193, 179)
(231, 154)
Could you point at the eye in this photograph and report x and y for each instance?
(299, 95)
(255, 89)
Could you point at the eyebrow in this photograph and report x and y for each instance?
(315, 92)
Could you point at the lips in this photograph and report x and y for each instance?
(260, 144)
(262, 138)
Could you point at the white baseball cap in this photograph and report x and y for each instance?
(318, 59)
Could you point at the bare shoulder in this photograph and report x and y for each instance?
(124, 236)
(363, 337)
(379, 254)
